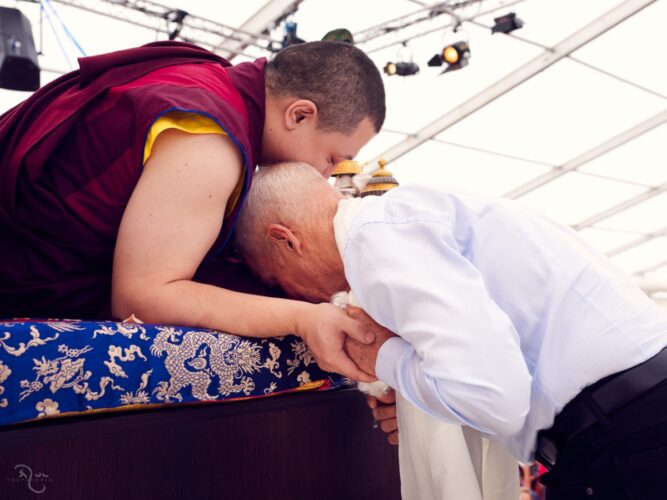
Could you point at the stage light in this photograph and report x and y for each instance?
(450, 55)
(401, 68)
(436, 60)
(507, 23)
(456, 55)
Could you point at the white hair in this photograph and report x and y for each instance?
(285, 193)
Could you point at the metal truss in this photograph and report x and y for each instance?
(650, 286)
(653, 267)
(629, 203)
(176, 23)
(425, 21)
(268, 17)
(636, 242)
(591, 154)
(517, 77)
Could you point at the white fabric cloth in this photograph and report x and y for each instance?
(503, 315)
(437, 460)
(440, 461)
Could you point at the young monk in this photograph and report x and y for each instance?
(120, 184)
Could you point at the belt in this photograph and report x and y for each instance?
(598, 401)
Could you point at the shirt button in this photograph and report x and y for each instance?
(589, 491)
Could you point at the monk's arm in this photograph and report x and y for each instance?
(171, 221)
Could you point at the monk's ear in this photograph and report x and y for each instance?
(284, 238)
(300, 112)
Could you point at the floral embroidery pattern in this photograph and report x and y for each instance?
(47, 407)
(301, 355)
(272, 363)
(56, 367)
(5, 372)
(24, 346)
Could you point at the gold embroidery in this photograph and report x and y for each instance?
(46, 408)
(92, 395)
(301, 355)
(125, 329)
(140, 396)
(64, 326)
(199, 357)
(5, 372)
(272, 363)
(35, 341)
(117, 352)
(64, 373)
(303, 378)
(162, 393)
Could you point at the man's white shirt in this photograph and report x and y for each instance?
(503, 316)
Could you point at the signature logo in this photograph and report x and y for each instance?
(32, 479)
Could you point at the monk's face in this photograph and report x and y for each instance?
(291, 133)
(324, 149)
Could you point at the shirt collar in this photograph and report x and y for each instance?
(348, 208)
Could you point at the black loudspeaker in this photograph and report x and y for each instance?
(19, 69)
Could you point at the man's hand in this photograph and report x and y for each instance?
(384, 411)
(365, 355)
(325, 329)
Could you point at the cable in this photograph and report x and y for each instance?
(55, 33)
(67, 31)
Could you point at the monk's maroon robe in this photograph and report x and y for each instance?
(71, 155)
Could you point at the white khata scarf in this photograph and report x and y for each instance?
(347, 211)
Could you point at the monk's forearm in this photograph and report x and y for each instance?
(189, 303)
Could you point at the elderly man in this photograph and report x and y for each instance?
(506, 322)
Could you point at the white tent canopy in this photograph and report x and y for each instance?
(567, 115)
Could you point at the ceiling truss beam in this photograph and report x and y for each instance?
(517, 77)
(590, 155)
(258, 25)
(629, 203)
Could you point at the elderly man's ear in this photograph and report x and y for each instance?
(285, 238)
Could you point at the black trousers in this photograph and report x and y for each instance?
(623, 456)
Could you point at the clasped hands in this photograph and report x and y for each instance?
(365, 357)
(348, 343)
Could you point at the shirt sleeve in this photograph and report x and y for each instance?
(458, 356)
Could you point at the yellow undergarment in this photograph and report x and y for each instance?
(192, 123)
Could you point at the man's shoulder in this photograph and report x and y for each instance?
(422, 202)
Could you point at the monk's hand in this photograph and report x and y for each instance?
(365, 354)
(384, 412)
(325, 328)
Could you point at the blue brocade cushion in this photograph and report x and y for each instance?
(52, 368)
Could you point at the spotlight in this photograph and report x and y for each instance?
(436, 60)
(401, 68)
(507, 23)
(456, 55)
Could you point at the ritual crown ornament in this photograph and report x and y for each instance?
(381, 181)
(344, 172)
